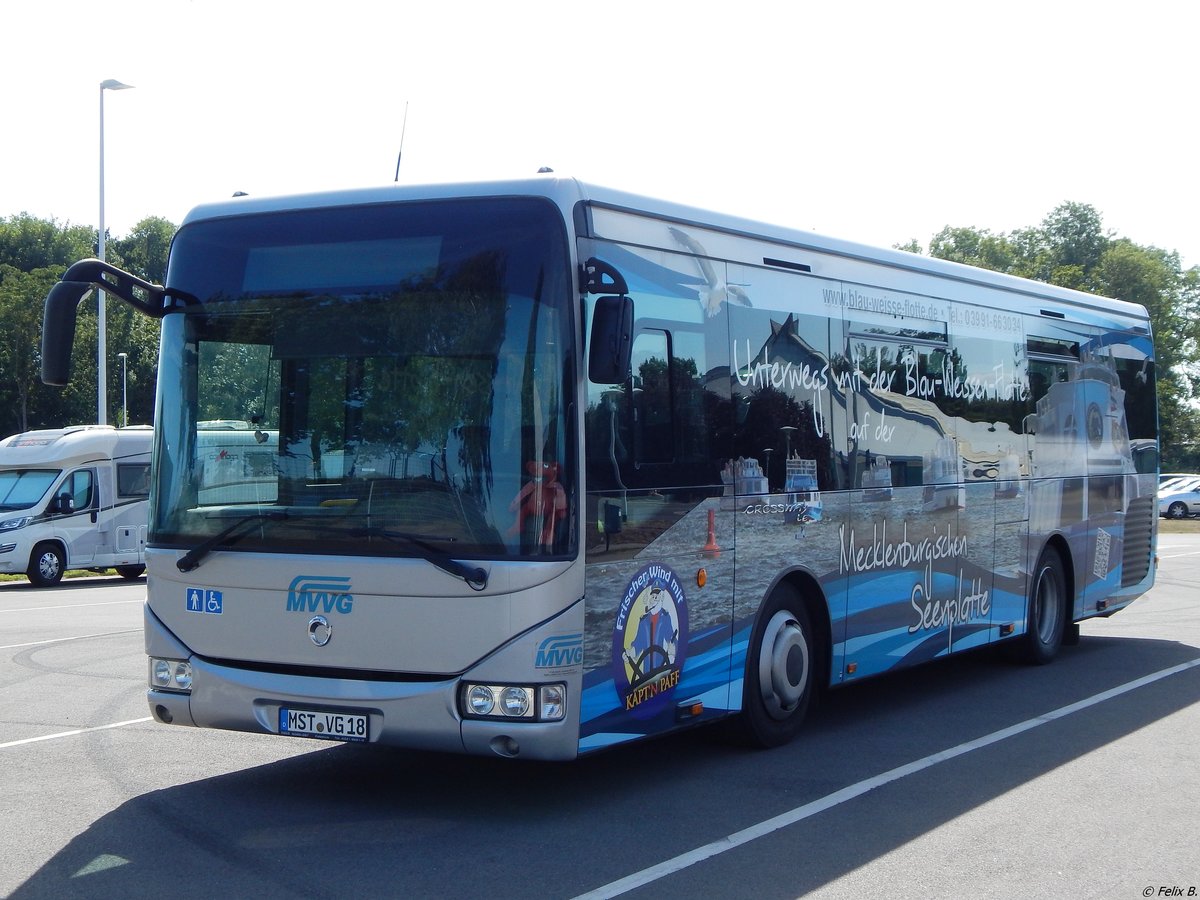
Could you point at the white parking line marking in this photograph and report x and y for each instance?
(68, 606)
(63, 734)
(762, 829)
(78, 637)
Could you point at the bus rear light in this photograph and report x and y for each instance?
(171, 675)
(531, 703)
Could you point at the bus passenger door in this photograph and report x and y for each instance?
(784, 477)
(987, 378)
(658, 542)
(905, 467)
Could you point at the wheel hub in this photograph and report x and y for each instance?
(783, 665)
(48, 565)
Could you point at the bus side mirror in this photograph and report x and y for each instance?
(59, 312)
(610, 349)
(58, 330)
(64, 503)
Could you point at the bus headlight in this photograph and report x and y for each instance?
(14, 524)
(171, 675)
(531, 703)
(480, 700)
(516, 701)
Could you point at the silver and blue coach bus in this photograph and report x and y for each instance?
(534, 468)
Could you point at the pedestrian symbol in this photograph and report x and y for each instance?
(195, 600)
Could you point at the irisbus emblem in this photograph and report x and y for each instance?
(320, 593)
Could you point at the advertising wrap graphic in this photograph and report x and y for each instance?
(650, 640)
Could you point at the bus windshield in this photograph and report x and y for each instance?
(401, 386)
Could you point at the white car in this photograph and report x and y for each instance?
(1179, 504)
(1166, 484)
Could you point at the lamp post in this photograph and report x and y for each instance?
(101, 368)
(124, 390)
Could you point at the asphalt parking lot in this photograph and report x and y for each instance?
(972, 777)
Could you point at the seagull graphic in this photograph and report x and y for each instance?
(714, 291)
(1142, 376)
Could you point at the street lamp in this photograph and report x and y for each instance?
(124, 391)
(102, 369)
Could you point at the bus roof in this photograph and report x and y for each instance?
(567, 192)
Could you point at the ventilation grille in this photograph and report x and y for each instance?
(1139, 534)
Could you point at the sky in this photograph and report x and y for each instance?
(880, 122)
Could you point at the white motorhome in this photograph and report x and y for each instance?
(75, 498)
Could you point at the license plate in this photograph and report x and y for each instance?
(330, 726)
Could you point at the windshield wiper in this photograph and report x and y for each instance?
(475, 576)
(192, 558)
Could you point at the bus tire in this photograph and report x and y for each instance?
(46, 565)
(1046, 620)
(130, 573)
(780, 671)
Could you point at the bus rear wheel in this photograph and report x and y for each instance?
(1047, 612)
(131, 573)
(779, 671)
(46, 565)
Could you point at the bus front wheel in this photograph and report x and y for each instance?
(46, 565)
(779, 671)
(1047, 615)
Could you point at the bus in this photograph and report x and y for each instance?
(542, 467)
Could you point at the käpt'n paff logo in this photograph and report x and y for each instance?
(650, 640)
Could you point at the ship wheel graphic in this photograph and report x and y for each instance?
(643, 666)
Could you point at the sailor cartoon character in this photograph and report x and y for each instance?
(652, 647)
(650, 641)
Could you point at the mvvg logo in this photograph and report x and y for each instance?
(560, 651)
(310, 593)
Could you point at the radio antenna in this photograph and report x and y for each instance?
(403, 128)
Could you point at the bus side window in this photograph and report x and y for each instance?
(652, 407)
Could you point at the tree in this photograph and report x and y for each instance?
(20, 374)
(27, 243)
(1070, 249)
(974, 248)
(1153, 278)
(1074, 238)
(33, 255)
(144, 251)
